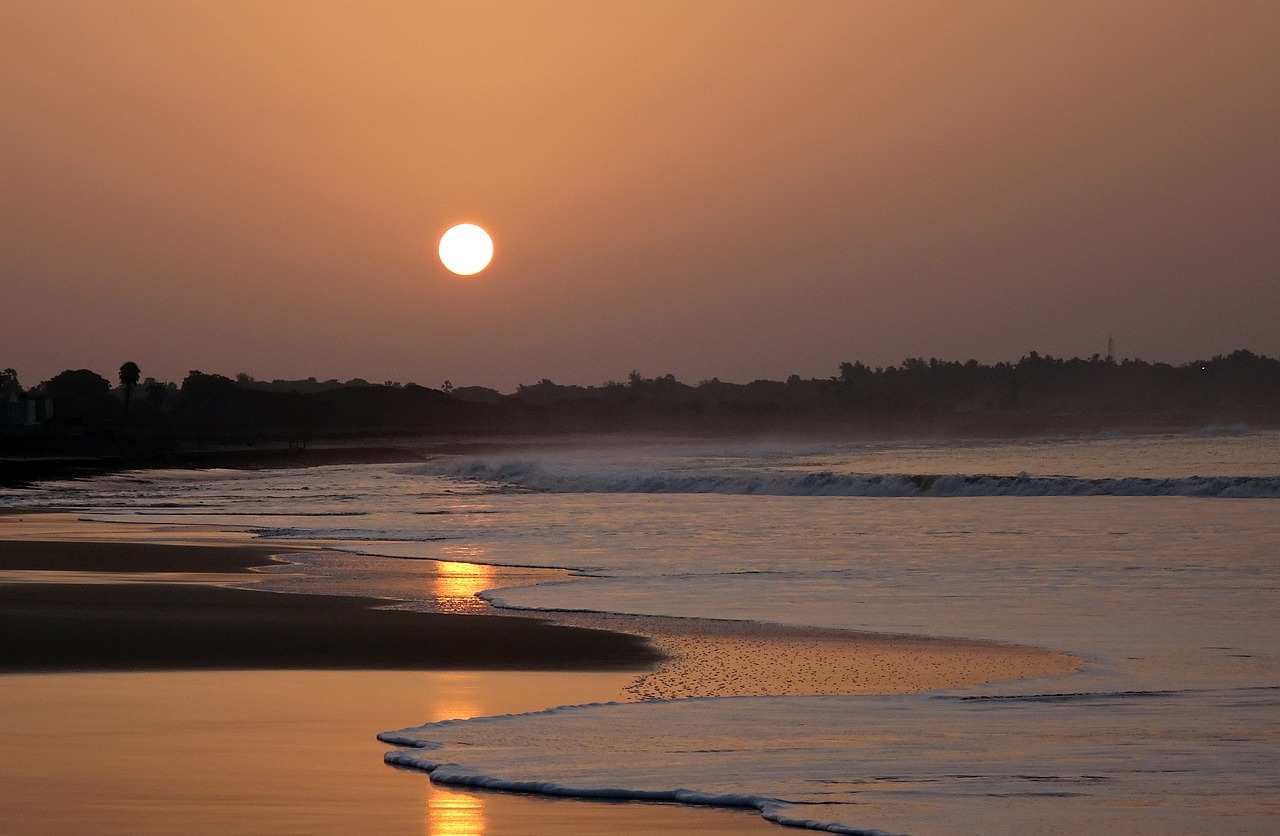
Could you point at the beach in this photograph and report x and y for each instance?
(202, 626)
(145, 688)
(760, 629)
(587, 418)
(208, 732)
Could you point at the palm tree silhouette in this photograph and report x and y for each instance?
(129, 374)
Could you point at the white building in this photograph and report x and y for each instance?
(23, 410)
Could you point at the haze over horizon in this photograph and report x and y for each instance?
(708, 189)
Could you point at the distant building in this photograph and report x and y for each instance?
(23, 410)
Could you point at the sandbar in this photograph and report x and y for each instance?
(53, 627)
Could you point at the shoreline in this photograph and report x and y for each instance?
(286, 750)
(25, 470)
(265, 629)
(76, 462)
(103, 588)
(724, 658)
(199, 642)
(79, 627)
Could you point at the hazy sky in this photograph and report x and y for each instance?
(730, 189)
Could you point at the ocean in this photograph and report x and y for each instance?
(1154, 558)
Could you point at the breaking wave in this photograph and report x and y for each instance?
(419, 754)
(538, 477)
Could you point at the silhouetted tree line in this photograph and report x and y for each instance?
(80, 410)
(1035, 393)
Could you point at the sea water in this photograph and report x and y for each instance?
(1152, 557)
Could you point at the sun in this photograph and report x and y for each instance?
(466, 249)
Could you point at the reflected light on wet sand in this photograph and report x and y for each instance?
(455, 814)
(456, 583)
(264, 752)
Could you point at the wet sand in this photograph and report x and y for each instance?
(52, 627)
(288, 752)
(711, 658)
(295, 749)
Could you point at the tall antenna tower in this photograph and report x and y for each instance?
(1111, 349)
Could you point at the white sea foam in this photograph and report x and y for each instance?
(858, 764)
(539, 476)
(582, 780)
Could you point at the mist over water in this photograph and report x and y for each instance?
(1151, 557)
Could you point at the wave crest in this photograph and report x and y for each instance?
(537, 477)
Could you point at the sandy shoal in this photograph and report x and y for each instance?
(711, 658)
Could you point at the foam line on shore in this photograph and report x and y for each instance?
(452, 774)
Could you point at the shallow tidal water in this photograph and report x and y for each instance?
(1153, 558)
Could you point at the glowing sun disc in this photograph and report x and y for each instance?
(466, 249)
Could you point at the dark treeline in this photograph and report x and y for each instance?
(81, 412)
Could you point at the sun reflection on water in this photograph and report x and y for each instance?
(454, 585)
(456, 582)
(451, 813)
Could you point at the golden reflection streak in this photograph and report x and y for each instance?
(452, 812)
(456, 583)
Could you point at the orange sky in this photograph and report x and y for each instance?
(731, 189)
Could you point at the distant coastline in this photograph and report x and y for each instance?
(77, 422)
